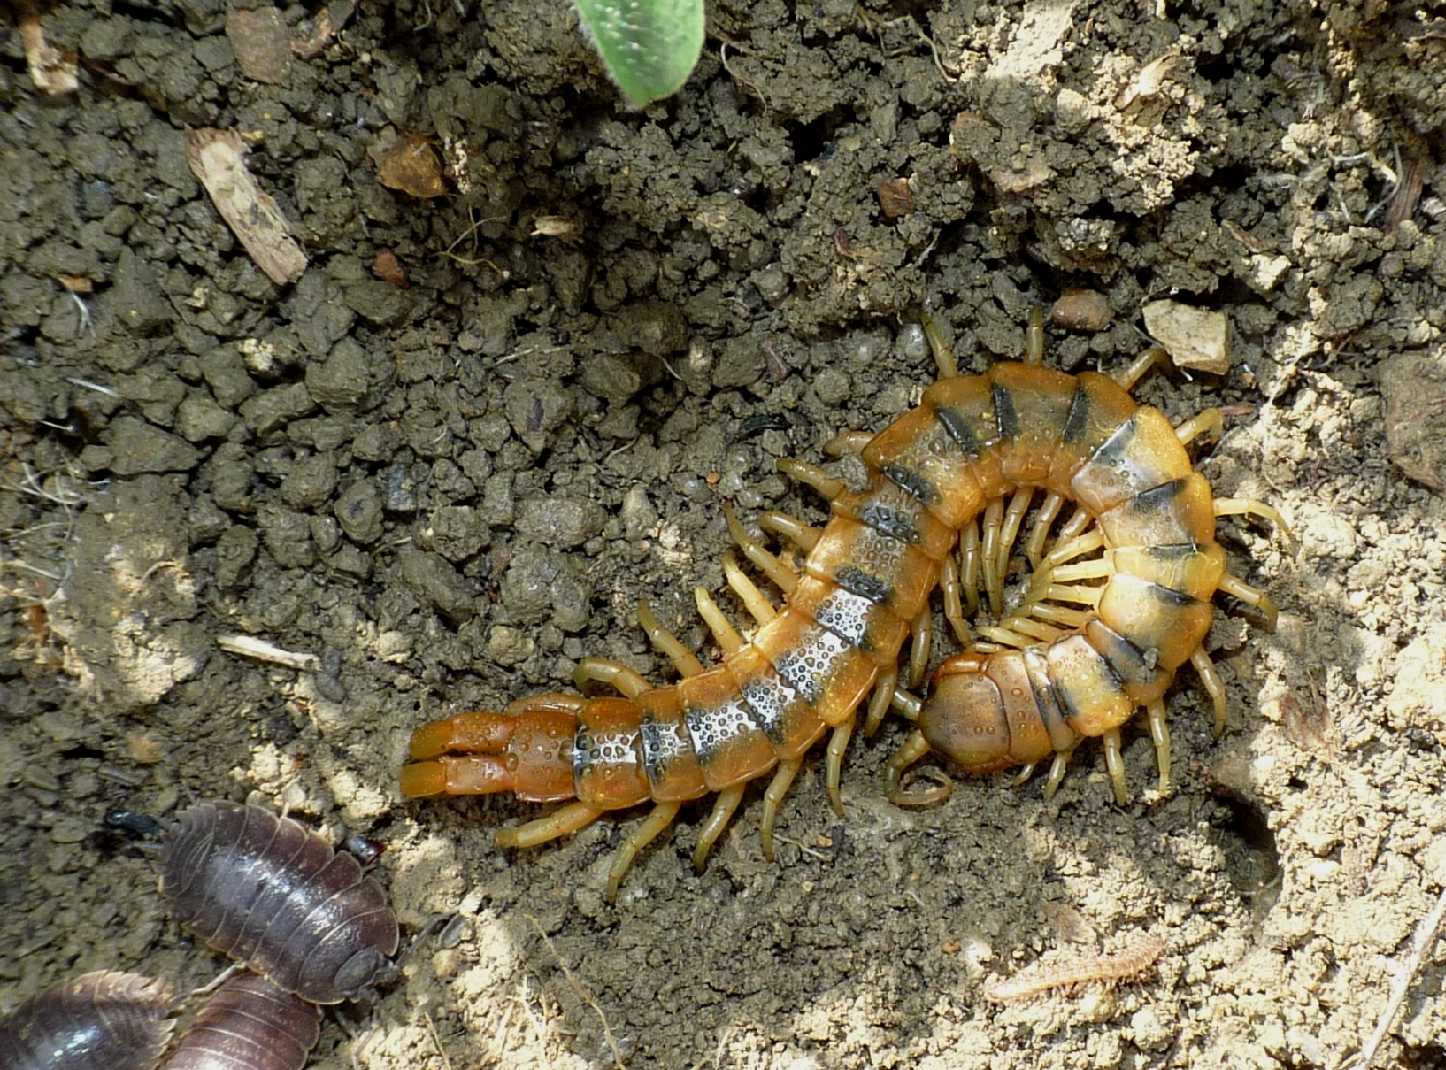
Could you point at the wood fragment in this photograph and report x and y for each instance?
(1407, 193)
(217, 159)
(51, 70)
(1136, 960)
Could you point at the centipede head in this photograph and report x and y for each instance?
(525, 750)
(960, 717)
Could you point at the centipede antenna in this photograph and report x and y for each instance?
(847, 443)
(939, 346)
(773, 798)
(724, 634)
(1209, 422)
(813, 476)
(1039, 533)
(754, 600)
(802, 535)
(783, 577)
(666, 643)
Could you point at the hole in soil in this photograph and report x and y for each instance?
(1253, 863)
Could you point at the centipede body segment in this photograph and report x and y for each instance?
(1113, 608)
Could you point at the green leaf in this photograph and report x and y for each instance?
(649, 46)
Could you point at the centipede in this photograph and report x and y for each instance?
(1119, 601)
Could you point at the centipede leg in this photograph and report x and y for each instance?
(1115, 763)
(773, 798)
(754, 600)
(724, 634)
(666, 643)
(1034, 337)
(969, 566)
(802, 535)
(718, 818)
(939, 346)
(847, 443)
(1210, 422)
(838, 743)
(880, 700)
(1160, 733)
(1214, 686)
(563, 822)
(921, 645)
(1022, 777)
(953, 607)
(993, 581)
(657, 822)
(1018, 506)
(1252, 507)
(1251, 596)
(623, 679)
(812, 475)
(1056, 773)
(1128, 377)
(783, 577)
(1039, 533)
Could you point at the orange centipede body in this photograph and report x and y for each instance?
(1116, 606)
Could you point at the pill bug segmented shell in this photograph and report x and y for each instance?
(269, 893)
(97, 1021)
(1119, 603)
(251, 1023)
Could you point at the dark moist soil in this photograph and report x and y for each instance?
(449, 475)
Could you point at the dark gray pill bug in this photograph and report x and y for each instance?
(97, 1021)
(273, 895)
(249, 1024)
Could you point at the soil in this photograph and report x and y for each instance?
(448, 460)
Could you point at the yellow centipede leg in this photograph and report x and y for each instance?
(657, 821)
(1235, 586)
(1251, 507)
(939, 346)
(563, 822)
(1160, 733)
(791, 528)
(953, 607)
(773, 798)
(969, 565)
(1034, 337)
(921, 646)
(754, 600)
(623, 679)
(783, 577)
(1056, 773)
(1022, 777)
(813, 476)
(833, 765)
(724, 634)
(1018, 506)
(1115, 763)
(1209, 422)
(1214, 686)
(1128, 377)
(847, 443)
(1039, 533)
(666, 643)
(914, 748)
(993, 581)
(879, 701)
(718, 818)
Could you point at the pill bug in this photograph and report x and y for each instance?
(269, 893)
(1119, 603)
(97, 1021)
(249, 1024)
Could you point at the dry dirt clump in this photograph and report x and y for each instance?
(518, 378)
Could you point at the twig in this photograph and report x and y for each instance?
(432, 1028)
(581, 993)
(1426, 934)
(259, 649)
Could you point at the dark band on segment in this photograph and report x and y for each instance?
(1005, 414)
(1079, 414)
(911, 483)
(859, 582)
(959, 430)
